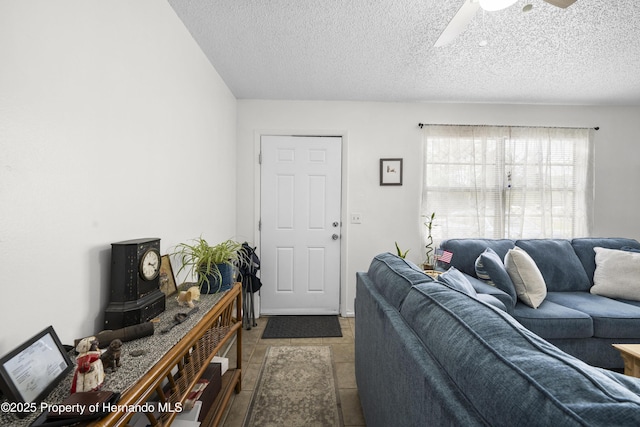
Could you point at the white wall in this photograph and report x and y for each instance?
(377, 130)
(113, 126)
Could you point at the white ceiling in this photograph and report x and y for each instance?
(383, 50)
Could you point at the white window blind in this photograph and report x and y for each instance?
(508, 182)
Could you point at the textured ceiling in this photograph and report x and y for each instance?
(383, 50)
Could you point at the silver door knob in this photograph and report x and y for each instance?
(335, 237)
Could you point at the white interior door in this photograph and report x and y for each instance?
(300, 225)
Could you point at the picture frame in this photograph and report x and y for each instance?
(29, 372)
(390, 171)
(167, 280)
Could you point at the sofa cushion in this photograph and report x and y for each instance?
(558, 263)
(466, 251)
(394, 276)
(462, 282)
(617, 274)
(527, 280)
(483, 289)
(457, 280)
(583, 248)
(492, 300)
(630, 302)
(554, 321)
(490, 268)
(611, 318)
(487, 350)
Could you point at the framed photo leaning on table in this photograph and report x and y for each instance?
(167, 279)
(31, 371)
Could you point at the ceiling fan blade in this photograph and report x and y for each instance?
(459, 22)
(561, 3)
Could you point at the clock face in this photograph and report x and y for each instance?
(150, 264)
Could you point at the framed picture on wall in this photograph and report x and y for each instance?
(390, 171)
(167, 279)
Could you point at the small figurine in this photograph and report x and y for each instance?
(187, 297)
(89, 374)
(111, 357)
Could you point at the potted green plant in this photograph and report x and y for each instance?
(430, 260)
(399, 251)
(213, 265)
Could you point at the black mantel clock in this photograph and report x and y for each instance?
(135, 295)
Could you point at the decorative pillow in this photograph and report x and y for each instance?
(617, 273)
(526, 277)
(456, 280)
(481, 271)
(490, 265)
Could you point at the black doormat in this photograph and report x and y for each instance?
(302, 327)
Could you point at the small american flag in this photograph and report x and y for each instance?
(444, 256)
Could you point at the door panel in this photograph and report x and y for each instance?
(300, 224)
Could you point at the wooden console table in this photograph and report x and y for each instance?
(171, 379)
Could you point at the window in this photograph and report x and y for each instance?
(507, 182)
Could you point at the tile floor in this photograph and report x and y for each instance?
(253, 352)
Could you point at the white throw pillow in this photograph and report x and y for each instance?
(617, 274)
(526, 277)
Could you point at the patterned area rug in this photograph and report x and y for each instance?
(296, 387)
(302, 327)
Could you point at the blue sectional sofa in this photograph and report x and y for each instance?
(572, 318)
(427, 354)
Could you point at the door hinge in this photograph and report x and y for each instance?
(259, 225)
(260, 158)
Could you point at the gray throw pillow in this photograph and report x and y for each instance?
(457, 280)
(481, 270)
(492, 267)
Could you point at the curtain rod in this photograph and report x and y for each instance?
(420, 125)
